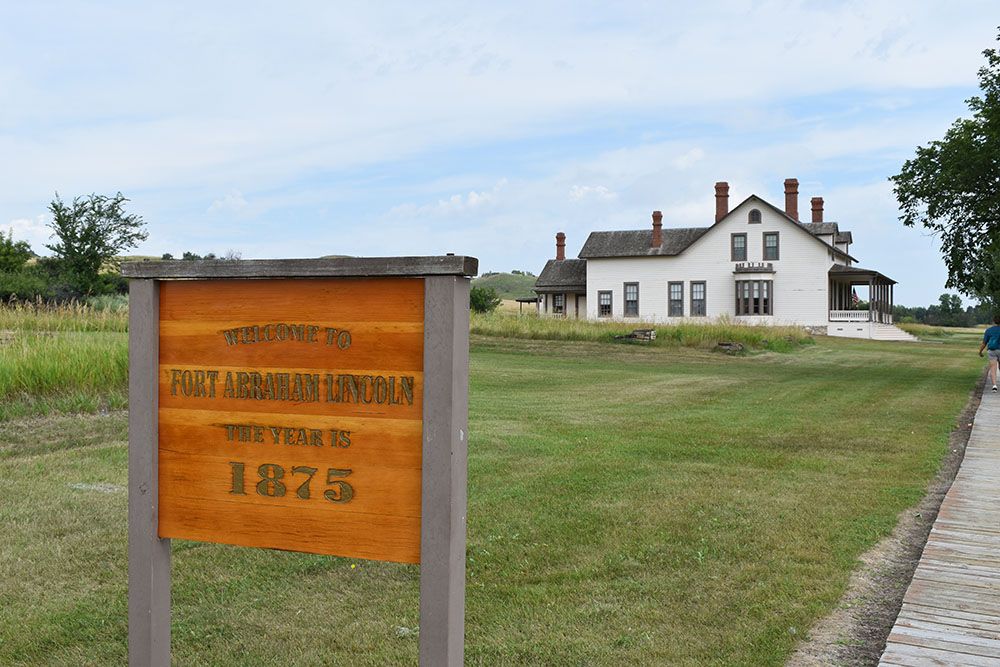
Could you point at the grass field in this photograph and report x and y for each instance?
(628, 505)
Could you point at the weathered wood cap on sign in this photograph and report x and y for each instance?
(445, 265)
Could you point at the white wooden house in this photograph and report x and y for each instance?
(757, 263)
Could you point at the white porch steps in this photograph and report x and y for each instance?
(890, 332)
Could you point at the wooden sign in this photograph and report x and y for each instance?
(305, 405)
(290, 414)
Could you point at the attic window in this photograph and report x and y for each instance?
(754, 217)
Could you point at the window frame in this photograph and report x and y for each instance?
(559, 304)
(703, 299)
(671, 312)
(610, 304)
(777, 246)
(732, 247)
(754, 298)
(751, 216)
(625, 299)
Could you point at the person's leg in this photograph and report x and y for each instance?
(993, 370)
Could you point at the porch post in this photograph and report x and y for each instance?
(876, 310)
(878, 290)
(871, 298)
(883, 300)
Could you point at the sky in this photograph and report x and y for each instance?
(302, 129)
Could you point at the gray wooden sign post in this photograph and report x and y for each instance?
(444, 442)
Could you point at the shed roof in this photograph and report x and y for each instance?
(821, 228)
(563, 275)
(857, 272)
(828, 229)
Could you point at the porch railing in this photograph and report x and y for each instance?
(859, 316)
(850, 316)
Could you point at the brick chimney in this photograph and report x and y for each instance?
(657, 230)
(817, 208)
(721, 200)
(792, 198)
(560, 246)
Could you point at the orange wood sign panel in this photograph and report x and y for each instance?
(290, 414)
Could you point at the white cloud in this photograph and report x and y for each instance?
(591, 192)
(32, 230)
(689, 158)
(455, 204)
(233, 202)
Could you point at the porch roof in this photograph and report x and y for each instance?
(841, 271)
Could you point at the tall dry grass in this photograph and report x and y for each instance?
(73, 316)
(69, 357)
(706, 334)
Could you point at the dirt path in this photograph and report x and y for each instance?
(855, 633)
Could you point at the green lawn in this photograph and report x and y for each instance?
(628, 505)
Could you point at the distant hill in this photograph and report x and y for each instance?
(507, 285)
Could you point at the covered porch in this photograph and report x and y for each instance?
(844, 280)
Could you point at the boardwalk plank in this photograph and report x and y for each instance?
(925, 656)
(951, 610)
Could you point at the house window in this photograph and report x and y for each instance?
(738, 248)
(770, 245)
(697, 299)
(753, 297)
(604, 303)
(631, 299)
(559, 304)
(675, 299)
(754, 217)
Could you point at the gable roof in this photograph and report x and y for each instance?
(638, 243)
(563, 275)
(804, 226)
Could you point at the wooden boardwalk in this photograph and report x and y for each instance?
(951, 611)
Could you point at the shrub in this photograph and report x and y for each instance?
(13, 254)
(24, 285)
(483, 299)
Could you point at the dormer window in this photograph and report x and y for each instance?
(754, 217)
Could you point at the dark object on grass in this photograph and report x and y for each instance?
(731, 347)
(641, 335)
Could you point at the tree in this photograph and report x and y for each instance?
(13, 254)
(952, 187)
(483, 299)
(91, 232)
